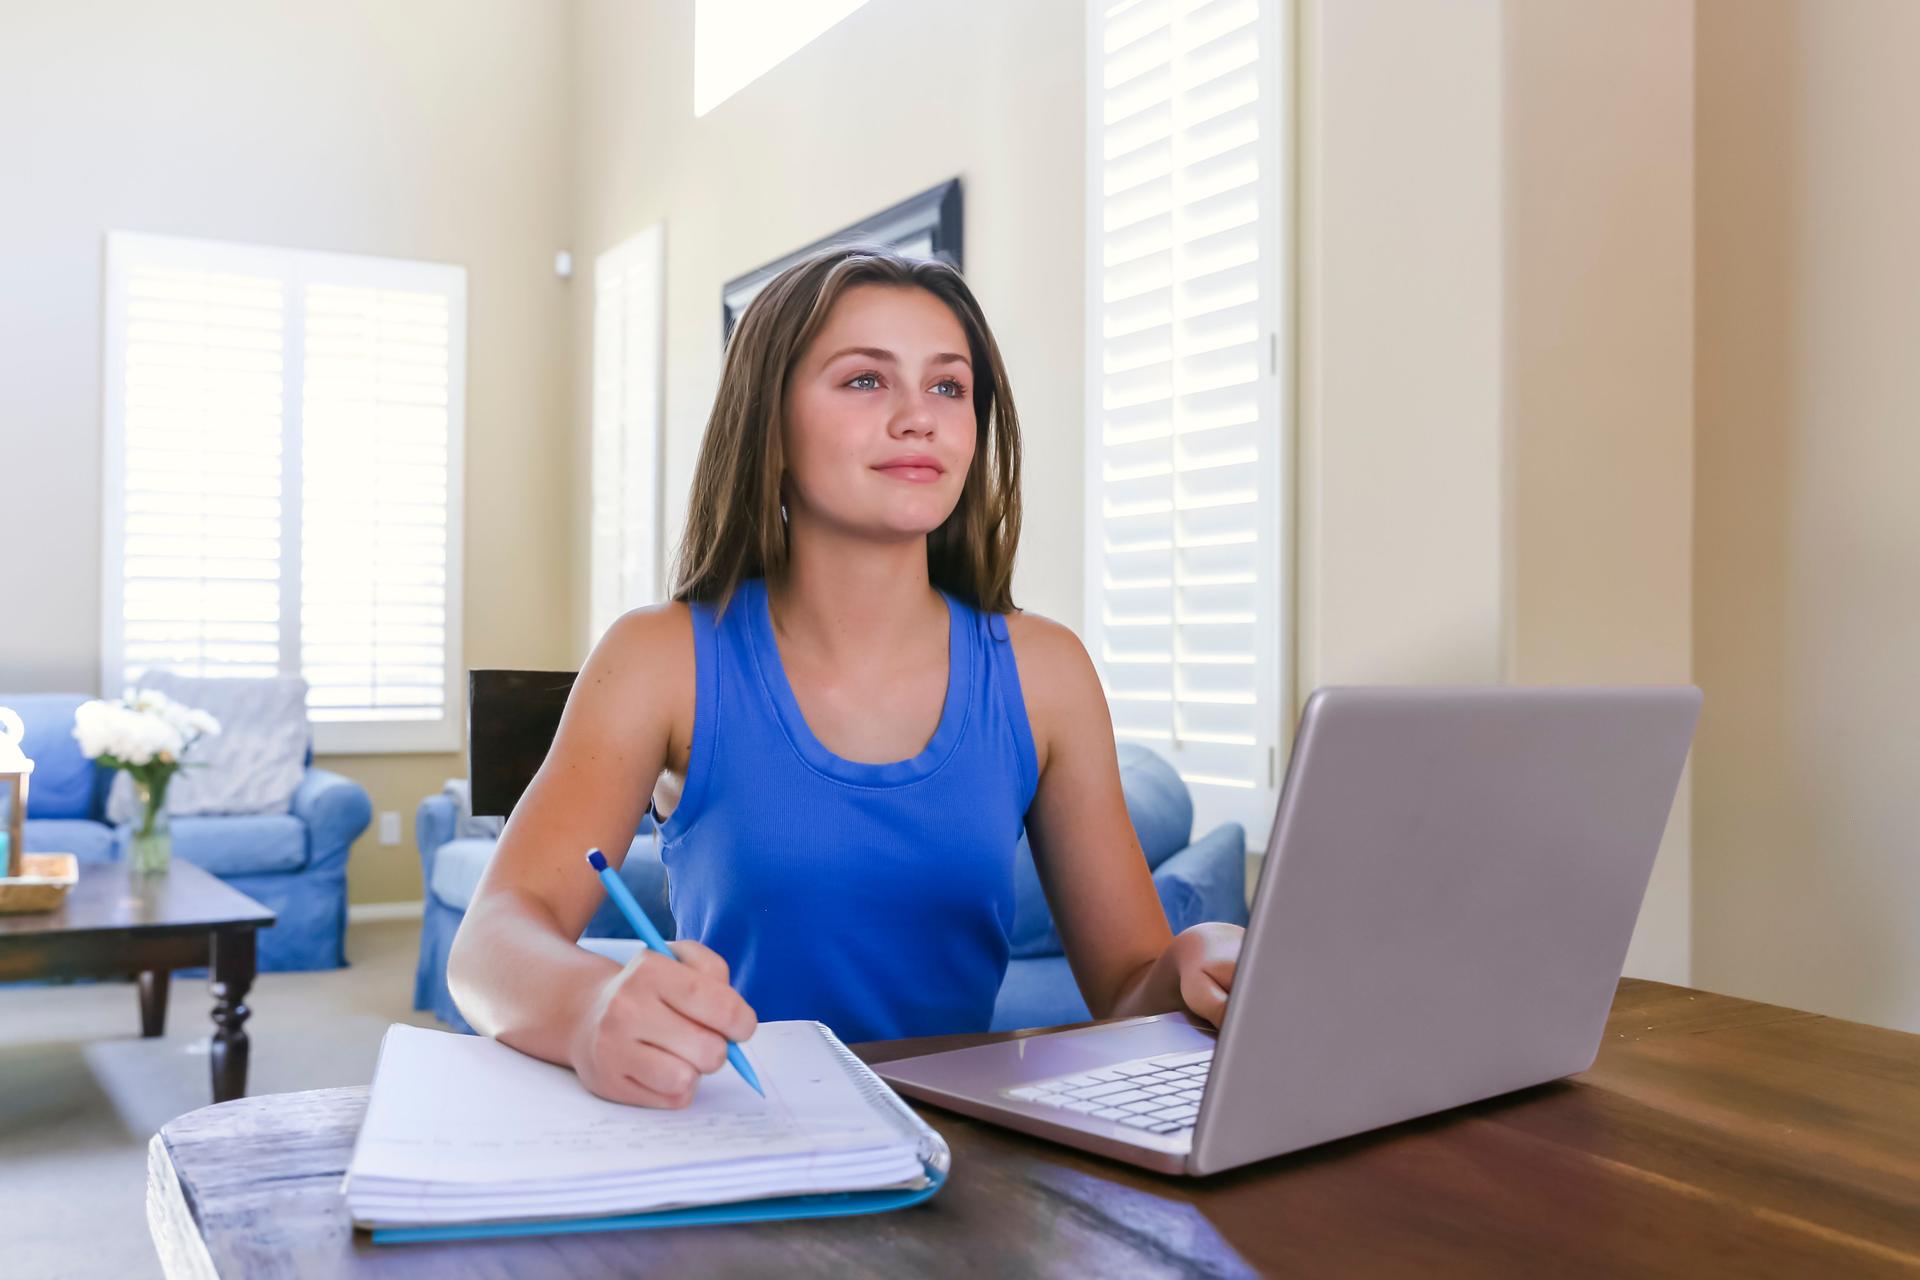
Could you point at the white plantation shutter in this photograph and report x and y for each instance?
(628, 307)
(1186, 440)
(379, 455)
(283, 453)
(194, 566)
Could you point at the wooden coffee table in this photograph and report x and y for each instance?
(115, 923)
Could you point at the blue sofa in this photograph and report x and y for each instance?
(1197, 881)
(294, 862)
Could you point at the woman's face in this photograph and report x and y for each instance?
(878, 416)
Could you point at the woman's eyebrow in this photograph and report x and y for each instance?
(880, 353)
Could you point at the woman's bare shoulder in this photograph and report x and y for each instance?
(1045, 639)
(646, 643)
(1057, 677)
(642, 672)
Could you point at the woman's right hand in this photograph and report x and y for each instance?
(653, 1028)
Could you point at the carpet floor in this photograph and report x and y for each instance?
(81, 1093)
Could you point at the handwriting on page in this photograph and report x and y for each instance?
(478, 1112)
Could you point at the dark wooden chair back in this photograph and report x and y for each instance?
(512, 717)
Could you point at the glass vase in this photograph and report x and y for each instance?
(150, 844)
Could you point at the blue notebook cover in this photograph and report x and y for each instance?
(844, 1204)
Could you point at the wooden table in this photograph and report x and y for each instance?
(116, 923)
(1713, 1136)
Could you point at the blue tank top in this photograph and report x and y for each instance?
(876, 898)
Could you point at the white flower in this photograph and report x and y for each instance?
(140, 728)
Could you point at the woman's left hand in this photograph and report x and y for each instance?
(1205, 956)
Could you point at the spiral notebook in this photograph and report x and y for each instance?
(465, 1137)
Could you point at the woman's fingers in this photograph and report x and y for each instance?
(610, 1081)
(700, 1047)
(708, 1001)
(1205, 997)
(658, 1025)
(701, 958)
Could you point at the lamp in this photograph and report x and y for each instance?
(14, 771)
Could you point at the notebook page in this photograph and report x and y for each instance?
(456, 1109)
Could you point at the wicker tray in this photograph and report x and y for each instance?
(42, 886)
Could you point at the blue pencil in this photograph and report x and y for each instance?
(623, 899)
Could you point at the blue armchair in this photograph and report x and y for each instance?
(1204, 880)
(454, 851)
(294, 863)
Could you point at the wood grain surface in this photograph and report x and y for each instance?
(1713, 1136)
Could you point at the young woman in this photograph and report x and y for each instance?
(843, 720)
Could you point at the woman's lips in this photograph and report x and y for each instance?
(911, 474)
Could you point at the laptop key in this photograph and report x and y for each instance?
(1124, 1099)
(1111, 1113)
(1104, 1088)
(1150, 1104)
(1184, 1059)
(1080, 1104)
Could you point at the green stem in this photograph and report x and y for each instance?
(154, 779)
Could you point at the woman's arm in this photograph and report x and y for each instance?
(1108, 914)
(645, 1032)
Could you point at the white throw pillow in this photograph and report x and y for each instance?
(253, 765)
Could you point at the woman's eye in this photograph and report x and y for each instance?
(959, 390)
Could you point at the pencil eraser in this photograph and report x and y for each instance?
(597, 860)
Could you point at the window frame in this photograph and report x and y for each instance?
(641, 255)
(294, 268)
(1275, 601)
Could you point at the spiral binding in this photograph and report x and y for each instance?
(928, 1144)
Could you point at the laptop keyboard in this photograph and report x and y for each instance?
(1159, 1094)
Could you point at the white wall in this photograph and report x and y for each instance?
(427, 129)
(1807, 564)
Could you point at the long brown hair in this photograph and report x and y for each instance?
(734, 530)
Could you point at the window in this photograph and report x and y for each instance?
(628, 338)
(1186, 434)
(735, 42)
(282, 479)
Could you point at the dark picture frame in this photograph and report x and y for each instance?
(927, 225)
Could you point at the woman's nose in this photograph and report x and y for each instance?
(914, 419)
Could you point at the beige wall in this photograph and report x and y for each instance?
(1599, 362)
(1807, 565)
(1400, 505)
(879, 107)
(1495, 375)
(430, 129)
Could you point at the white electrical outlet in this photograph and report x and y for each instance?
(390, 827)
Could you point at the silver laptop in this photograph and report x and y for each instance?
(1449, 889)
